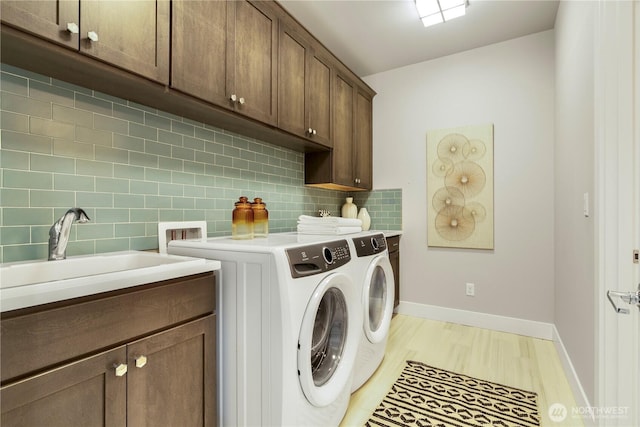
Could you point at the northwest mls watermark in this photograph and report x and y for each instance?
(559, 412)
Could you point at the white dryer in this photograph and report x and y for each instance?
(375, 282)
(289, 326)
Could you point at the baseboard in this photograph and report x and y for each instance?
(494, 322)
(582, 401)
(512, 325)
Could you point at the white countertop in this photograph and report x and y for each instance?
(149, 268)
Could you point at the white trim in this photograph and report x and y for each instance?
(530, 328)
(574, 382)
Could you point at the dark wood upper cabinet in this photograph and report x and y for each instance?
(133, 35)
(343, 142)
(226, 53)
(199, 49)
(348, 166)
(304, 88)
(56, 20)
(363, 141)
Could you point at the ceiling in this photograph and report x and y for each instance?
(372, 36)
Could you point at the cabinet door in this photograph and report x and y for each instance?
(83, 393)
(292, 96)
(199, 49)
(133, 35)
(252, 61)
(304, 88)
(343, 132)
(175, 385)
(319, 97)
(48, 19)
(363, 142)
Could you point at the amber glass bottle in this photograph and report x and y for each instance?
(260, 218)
(242, 220)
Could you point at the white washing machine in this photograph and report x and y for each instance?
(375, 282)
(289, 324)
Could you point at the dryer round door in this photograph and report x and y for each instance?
(378, 295)
(328, 340)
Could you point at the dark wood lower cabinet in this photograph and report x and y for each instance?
(82, 393)
(393, 245)
(176, 384)
(148, 370)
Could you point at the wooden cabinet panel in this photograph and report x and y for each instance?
(46, 19)
(393, 244)
(252, 62)
(292, 91)
(133, 35)
(169, 388)
(343, 110)
(121, 317)
(320, 100)
(225, 52)
(363, 142)
(175, 386)
(83, 393)
(199, 49)
(304, 88)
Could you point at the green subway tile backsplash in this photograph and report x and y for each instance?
(130, 166)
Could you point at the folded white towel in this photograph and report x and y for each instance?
(333, 231)
(330, 221)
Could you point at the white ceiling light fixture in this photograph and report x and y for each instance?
(433, 12)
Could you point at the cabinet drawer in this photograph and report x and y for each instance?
(35, 339)
(393, 243)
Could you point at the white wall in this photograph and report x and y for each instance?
(574, 171)
(511, 85)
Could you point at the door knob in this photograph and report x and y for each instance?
(632, 298)
(141, 361)
(73, 28)
(120, 369)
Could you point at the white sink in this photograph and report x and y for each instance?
(25, 284)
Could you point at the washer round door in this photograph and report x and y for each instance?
(378, 295)
(328, 340)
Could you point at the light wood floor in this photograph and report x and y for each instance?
(513, 360)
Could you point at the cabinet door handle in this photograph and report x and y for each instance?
(141, 361)
(310, 131)
(93, 36)
(314, 132)
(241, 101)
(357, 180)
(120, 368)
(73, 28)
(233, 97)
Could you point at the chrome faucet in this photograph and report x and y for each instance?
(59, 233)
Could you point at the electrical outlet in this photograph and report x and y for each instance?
(471, 289)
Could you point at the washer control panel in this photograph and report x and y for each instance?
(370, 245)
(318, 258)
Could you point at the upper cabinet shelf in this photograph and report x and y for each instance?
(245, 66)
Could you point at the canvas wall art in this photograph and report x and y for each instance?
(460, 187)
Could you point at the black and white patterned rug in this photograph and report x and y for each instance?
(425, 396)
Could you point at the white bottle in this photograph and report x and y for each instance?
(365, 218)
(349, 210)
